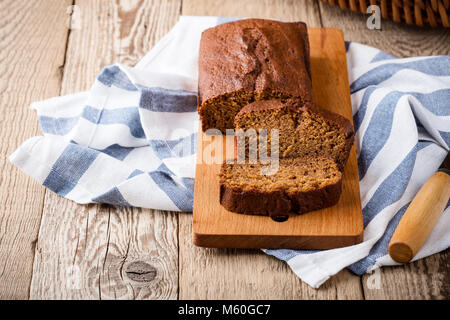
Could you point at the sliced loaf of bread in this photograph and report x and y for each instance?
(299, 185)
(305, 130)
(314, 145)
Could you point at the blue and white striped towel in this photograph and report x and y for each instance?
(131, 139)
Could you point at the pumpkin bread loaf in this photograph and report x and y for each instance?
(249, 60)
(255, 74)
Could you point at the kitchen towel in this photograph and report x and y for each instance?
(131, 139)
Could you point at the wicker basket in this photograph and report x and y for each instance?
(420, 12)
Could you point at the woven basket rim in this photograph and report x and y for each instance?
(435, 13)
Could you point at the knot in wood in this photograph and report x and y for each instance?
(140, 271)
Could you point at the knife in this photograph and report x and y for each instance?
(422, 215)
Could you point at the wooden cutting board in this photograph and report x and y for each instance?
(337, 226)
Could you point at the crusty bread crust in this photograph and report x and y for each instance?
(345, 124)
(278, 202)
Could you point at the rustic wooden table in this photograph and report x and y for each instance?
(52, 248)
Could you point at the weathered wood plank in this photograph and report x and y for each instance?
(428, 278)
(114, 31)
(33, 37)
(398, 39)
(250, 274)
(102, 252)
(286, 10)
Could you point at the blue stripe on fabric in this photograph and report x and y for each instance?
(347, 45)
(168, 100)
(127, 116)
(92, 114)
(380, 124)
(360, 114)
(189, 184)
(178, 148)
(446, 137)
(380, 56)
(113, 196)
(287, 254)
(117, 151)
(113, 75)
(163, 168)
(378, 131)
(221, 20)
(136, 172)
(391, 189)
(431, 66)
(57, 126)
(437, 102)
(179, 195)
(69, 168)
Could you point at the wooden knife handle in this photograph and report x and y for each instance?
(420, 218)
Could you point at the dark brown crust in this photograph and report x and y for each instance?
(345, 124)
(298, 106)
(264, 105)
(278, 202)
(256, 56)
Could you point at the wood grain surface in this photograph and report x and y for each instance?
(107, 252)
(32, 46)
(427, 278)
(287, 10)
(398, 39)
(249, 274)
(103, 252)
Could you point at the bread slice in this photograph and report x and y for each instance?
(305, 130)
(300, 185)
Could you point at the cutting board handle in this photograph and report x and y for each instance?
(420, 218)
